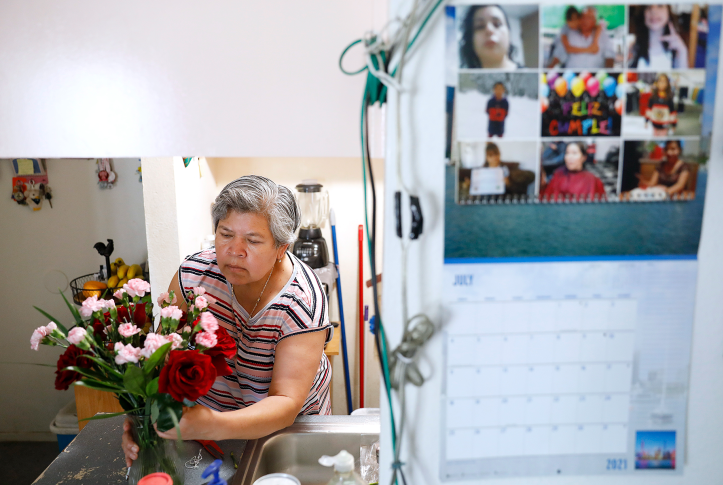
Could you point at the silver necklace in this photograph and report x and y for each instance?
(262, 292)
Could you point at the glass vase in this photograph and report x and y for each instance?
(155, 454)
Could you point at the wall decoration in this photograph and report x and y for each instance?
(106, 175)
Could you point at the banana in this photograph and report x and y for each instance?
(122, 271)
(134, 271)
(122, 282)
(119, 262)
(113, 281)
(113, 268)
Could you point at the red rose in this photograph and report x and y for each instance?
(73, 356)
(224, 349)
(99, 327)
(188, 374)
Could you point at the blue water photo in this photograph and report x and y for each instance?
(572, 230)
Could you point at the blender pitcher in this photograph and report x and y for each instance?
(313, 201)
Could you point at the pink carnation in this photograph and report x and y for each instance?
(153, 342)
(137, 287)
(91, 305)
(128, 330)
(206, 339)
(40, 333)
(171, 312)
(107, 303)
(177, 341)
(209, 322)
(76, 335)
(201, 302)
(166, 298)
(126, 354)
(199, 290)
(119, 294)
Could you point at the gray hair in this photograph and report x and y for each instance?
(254, 194)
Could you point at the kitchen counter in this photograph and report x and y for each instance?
(95, 457)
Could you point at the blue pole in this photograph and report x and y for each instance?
(341, 314)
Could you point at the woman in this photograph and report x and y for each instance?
(657, 42)
(661, 110)
(673, 174)
(571, 181)
(486, 39)
(274, 307)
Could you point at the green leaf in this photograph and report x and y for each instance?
(157, 357)
(73, 310)
(98, 386)
(152, 387)
(154, 411)
(61, 327)
(89, 373)
(30, 363)
(187, 403)
(104, 365)
(135, 380)
(169, 412)
(109, 415)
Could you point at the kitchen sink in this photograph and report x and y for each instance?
(297, 449)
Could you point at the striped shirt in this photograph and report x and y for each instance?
(300, 307)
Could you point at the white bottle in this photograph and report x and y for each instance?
(344, 473)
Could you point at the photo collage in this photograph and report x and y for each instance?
(579, 103)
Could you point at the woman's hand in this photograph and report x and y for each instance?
(197, 423)
(130, 448)
(675, 43)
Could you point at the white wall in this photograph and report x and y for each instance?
(32, 246)
(342, 178)
(423, 163)
(221, 78)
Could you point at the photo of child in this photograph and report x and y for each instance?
(664, 37)
(497, 36)
(589, 37)
(496, 169)
(664, 104)
(661, 170)
(579, 170)
(497, 108)
(496, 105)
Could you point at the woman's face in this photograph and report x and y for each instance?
(672, 151)
(663, 83)
(491, 36)
(245, 248)
(493, 159)
(656, 17)
(574, 158)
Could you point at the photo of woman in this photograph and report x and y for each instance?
(572, 181)
(667, 37)
(660, 170)
(496, 37)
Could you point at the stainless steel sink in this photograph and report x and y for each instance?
(296, 449)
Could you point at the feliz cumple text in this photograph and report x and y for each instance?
(589, 126)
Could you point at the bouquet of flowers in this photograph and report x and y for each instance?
(154, 370)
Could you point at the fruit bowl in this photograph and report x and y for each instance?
(80, 293)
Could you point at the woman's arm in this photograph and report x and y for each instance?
(176, 289)
(295, 364)
(591, 49)
(679, 185)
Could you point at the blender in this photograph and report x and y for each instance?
(313, 201)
